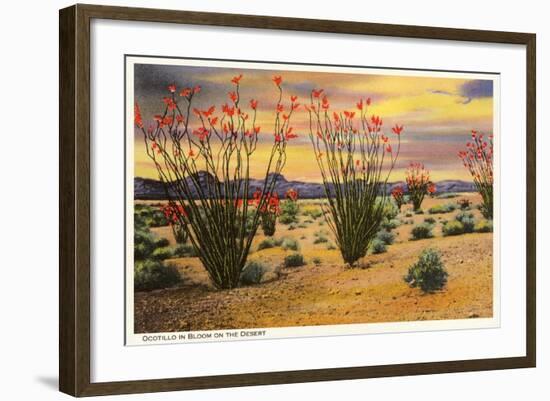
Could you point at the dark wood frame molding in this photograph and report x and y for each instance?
(74, 199)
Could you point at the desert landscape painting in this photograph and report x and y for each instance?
(281, 196)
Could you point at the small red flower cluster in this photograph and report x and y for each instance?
(292, 194)
(478, 157)
(271, 202)
(172, 213)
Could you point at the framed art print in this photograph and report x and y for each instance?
(243, 207)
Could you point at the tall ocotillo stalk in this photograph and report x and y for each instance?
(206, 171)
(355, 159)
(478, 159)
(418, 184)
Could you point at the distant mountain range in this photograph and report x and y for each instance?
(149, 189)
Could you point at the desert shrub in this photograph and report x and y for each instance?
(445, 208)
(428, 272)
(291, 227)
(453, 227)
(467, 220)
(289, 212)
(418, 211)
(321, 239)
(420, 231)
(162, 253)
(294, 260)
(316, 261)
(266, 244)
(153, 274)
(331, 246)
(290, 208)
(429, 220)
(464, 204)
(287, 219)
(302, 225)
(388, 224)
(162, 242)
(185, 250)
(447, 195)
(378, 246)
(484, 226)
(290, 244)
(387, 237)
(253, 273)
(144, 243)
(408, 214)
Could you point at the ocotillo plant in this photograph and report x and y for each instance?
(268, 211)
(171, 213)
(398, 196)
(418, 183)
(204, 162)
(478, 159)
(432, 189)
(355, 159)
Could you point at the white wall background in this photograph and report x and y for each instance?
(28, 197)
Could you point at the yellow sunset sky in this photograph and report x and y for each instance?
(438, 113)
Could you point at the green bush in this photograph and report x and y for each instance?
(266, 244)
(453, 227)
(162, 242)
(419, 211)
(467, 220)
(445, 208)
(316, 261)
(429, 220)
(390, 210)
(428, 272)
(331, 246)
(484, 226)
(144, 244)
(153, 274)
(162, 253)
(291, 227)
(321, 239)
(290, 243)
(420, 231)
(289, 212)
(387, 237)
(408, 214)
(390, 224)
(378, 246)
(253, 273)
(185, 250)
(287, 219)
(294, 260)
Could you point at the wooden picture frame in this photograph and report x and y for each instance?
(75, 208)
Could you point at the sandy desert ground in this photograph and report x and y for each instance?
(327, 292)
